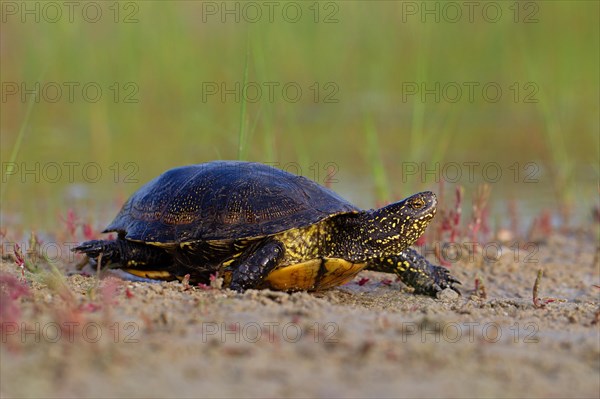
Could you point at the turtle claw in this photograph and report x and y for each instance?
(443, 280)
(417, 272)
(91, 248)
(109, 249)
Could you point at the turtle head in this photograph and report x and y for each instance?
(397, 226)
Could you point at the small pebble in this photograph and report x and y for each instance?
(447, 294)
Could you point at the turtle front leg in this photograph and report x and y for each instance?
(416, 271)
(125, 254)
(253, 269)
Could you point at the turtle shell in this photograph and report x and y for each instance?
(224, 200)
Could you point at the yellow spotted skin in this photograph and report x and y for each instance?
(307, 264)
(303, 244)
(332, 252)
(402, 266)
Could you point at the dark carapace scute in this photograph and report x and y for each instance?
(224, 200)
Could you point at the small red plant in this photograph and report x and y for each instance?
(11, 289)
(186, 282)
(19, 260)
(71, 222)
(541, 226)
(480, 288)
(420, 241)
(545, 222)
(513, 216)
(450, 220)
(485, 221)
(89, 307)
(88, 232)
(455, 214)
(596, 318)
(480, 201)
(537, 301)
(2, 235)
(363, 281)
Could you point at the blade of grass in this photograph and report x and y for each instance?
(242, 131)
(562, 165)
(382, 191)
(17, 145)
(418, 110)
(258, 55)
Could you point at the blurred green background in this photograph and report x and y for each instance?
(384, 89)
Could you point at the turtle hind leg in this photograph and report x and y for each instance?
(416, 271)
(111, 250)
(122, 254)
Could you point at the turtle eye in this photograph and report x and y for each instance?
(417, 203)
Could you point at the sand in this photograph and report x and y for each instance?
(118, 338)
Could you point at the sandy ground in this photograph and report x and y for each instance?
(116, 338)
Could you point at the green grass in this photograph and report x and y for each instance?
(15, 151)
(370, 132)
(243, 118)
(381, 182)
